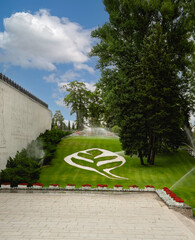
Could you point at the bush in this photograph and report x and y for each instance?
(50, 139)
(20, 169)
(116, 129)
(25, 166)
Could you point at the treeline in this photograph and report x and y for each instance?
(25, 167)
(58, 122)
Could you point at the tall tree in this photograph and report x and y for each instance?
(59, 120)
(77, 100)
(95, 108)
(142, 86)
(69, 125)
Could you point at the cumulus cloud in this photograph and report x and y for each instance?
(80, 66)
(69, 76)
(90, 86)
(66, 77)
(41, 41)
(51, 78)
(60, 102)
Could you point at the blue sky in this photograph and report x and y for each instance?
(44, 45)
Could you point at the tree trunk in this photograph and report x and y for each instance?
(150, 149)
(141, 157)
(153, 151)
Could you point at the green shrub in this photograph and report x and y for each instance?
(116, 129)
(20, 169)
(25, 166)
(49, 140)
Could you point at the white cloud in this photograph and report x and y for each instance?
(60, 102)
(51, 78)
(80, 66)
(90, 86)
(41, 41)
(54, 95)
(66, 77)
(69, 76)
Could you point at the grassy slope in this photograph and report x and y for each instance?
(168, 168)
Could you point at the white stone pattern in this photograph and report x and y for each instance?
(104, 153)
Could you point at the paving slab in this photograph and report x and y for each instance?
(90, 216)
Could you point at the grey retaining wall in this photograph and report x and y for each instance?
(23, 117)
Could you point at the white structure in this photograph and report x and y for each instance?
(22, 118)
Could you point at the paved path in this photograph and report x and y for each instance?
(90, 216)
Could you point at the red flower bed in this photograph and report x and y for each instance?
(102, 185)
(148, 186)
(173, 195)
(117, 185)
(69, 184)
(133, 186)
(5, 183)
(86, 185)
(54, 185)
(38, 184)
(23, 184)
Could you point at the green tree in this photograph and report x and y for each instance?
(59, 120)
(142, 87)
(77, 100)
(69, 125)
(95, 108)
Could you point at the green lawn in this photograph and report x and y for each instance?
(168, 168)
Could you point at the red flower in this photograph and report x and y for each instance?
(179, 200)
(133, 186)
(54, 185)
(86, 185)
(69, 184)
(172, 195)
(118, 185)
(24, 184)
(102, 185)
(5, 183)
(148, 186)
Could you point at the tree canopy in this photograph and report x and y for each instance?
(58, 120)
(145, 57)
(86, 104)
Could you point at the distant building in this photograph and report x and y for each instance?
(22, 118)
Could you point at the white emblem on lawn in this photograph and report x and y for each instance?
(98, 160)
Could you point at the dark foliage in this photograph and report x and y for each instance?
(50, 139)
(25, 167)
(20, 169)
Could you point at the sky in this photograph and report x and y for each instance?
(44, 44)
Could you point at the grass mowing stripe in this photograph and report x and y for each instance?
(168, 168)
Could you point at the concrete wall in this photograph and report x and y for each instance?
(22, 119)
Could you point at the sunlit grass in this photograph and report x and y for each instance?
(168, 168)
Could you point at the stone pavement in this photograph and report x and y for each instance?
(90, 216)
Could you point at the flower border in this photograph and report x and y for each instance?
(169, 197)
